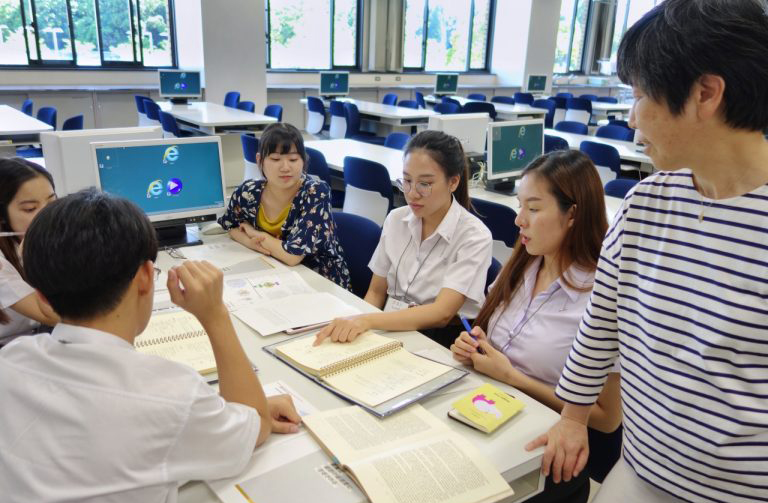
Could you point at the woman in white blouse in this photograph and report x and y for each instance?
(433, 255)
(525, 330)
(25, 189)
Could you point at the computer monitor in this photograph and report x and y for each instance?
(446, 83)
(334, 83)
(536, 84)
(179, 85)
(68, 155)
(511, 146)
(175, 181)
(470, 129)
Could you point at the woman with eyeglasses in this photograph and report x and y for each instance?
(526, 327)
(431, 262)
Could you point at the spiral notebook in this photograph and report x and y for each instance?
(179, 337)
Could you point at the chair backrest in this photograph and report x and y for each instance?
(368, 189)
(619, 187)
(564, 95)
(248, 106)
(26, 107)
(139, 99)
(338, 127)
(169, 124)
(250, 148)
(607, 99)
(275, 111)
(389, 99)
(493, 273)
(615, 133)
(358, 237)
(590, 97)
(604, 156)
(420, 99)
(617, 122)
(507, 100)
(47, 115)
(524, 98)
(73, 123)
(397, 140)
(499, 219)
(572, 127)
(471, 107)
(231, 99)
(408, 104)
(552, 143)
(579, 110)
(448, 99)
(317, 166)
(560, 102)
(447, 108)
(316, 112)
(549, 106)
(477, 96)
(352, 114)
(152, 109)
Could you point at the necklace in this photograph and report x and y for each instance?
(704, 204)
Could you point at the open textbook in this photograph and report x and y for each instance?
(179, 337)
(408, 457)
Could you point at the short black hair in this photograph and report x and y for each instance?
(82, 251)
(280, 137)
(678, 41)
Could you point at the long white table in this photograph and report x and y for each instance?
(503, 110)
(18, 128)
(505, 448)
(604, 109)
(628, 151)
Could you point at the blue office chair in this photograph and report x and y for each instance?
(500, 220)
(493, 273)
(447, 108)
(358, 237)
(560, 106)
(250, 149)
(473, 107)
(549, 106)
(170, 126)
(139, 99)
(368, 189)
(572, 127)
(524, 98)
(578, 110)
(352, 114)
(247, 106)
(420, 99)
(590, 97)
(564, 95)
(477, 96)
(47, 115)
(317, 167)
(338, 127)
(315, 115)
(73, 123)
(607, 99)
(26, 107)
(231, 99)
(397, 141)
(275, 111)
(552, 143)
(153, 110)
(615, 133)
(409, 104)
(448, 99)
(507, 100)
(619, 187)
(605, 157)
(389, 99)
(616, 122)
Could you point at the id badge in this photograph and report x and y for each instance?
(394, 304)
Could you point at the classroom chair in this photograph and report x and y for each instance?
(231, 99)
(447, 108)
(153, 112)
(354, 132)
(560, 106)
(141, 111)
(617, 122)
(549, 106)
(590, 97)
(397, 141)
(171, 127)
(73, 123)
(448, 99)
(275, 111)
(523, 98)
(368, 189)
(473, 107)
(315, 115)
(564, 95)
(389, 99)
(246, 106)
(507, 100)
(338, 127)
(607, 99)
(493, 273)
(317, 167)
(500, 220)
(47, 115)
(27, 106)
(250, 148)
(552, 143)
(409, 104)
(578, 110)
(572, 127)
(619, 187)
(606, 159)
(477, 96)
(615, 132)
(420, 99)
(358, 237)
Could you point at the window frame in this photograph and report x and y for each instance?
(42, 64)
(587, 24)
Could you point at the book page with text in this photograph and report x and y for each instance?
(329, 353)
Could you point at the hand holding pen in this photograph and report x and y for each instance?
(468, 328)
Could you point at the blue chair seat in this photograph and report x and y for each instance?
(358, 237)
(619, 187)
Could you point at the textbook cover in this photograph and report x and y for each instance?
(486, 408)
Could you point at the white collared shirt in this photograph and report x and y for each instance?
(536, 333)
(456, 256)
(87, 418)
(12, 289)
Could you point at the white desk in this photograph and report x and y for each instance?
(387, 115)
(336, 150)
(18, 128)
(628, 151)
(505, 448)
(604, 109)
(503, 110)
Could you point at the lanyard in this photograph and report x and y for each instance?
(405, 295)
(525, 319)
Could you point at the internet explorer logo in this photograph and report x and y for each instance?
(155, 188)
(171, 154)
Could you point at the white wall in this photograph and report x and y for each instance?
(542, 39)
(510, 40)
(189, 35)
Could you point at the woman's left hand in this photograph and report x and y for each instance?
(343, 329)
(495, 364)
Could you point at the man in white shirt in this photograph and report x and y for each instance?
(84, 416)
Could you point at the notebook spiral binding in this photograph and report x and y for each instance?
(169, 338)
(360, 359)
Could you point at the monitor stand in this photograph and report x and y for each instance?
(506, 188)
(176, 236)
(180, 101)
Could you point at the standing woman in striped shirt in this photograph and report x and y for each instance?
(680, 295)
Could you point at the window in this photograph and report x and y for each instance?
(312, 34)
(628, 12)
(122, 33)
(571, 33)
(440, 35)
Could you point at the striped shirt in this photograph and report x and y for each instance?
(682, 301)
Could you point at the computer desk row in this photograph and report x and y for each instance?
(505, 448)
(18, 128)
(598, 107)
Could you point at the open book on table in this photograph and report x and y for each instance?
(179, 337)
(373, 371)
(410, 456)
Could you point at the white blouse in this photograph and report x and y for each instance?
(12, 289)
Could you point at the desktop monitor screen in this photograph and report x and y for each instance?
(537, 83)
(512, 145)
(179, 84)
(334, 83)
(174, 180)
(446, 83)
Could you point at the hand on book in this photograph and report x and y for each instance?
(285, 419)
(196, 287)
(343, 329)
(567, 449)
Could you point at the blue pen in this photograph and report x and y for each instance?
(469, 331)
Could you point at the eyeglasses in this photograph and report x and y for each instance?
(157, 273)
(424, 189)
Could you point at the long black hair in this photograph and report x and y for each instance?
(447, 152)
